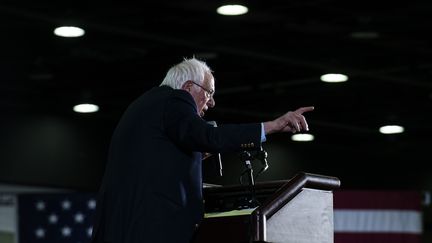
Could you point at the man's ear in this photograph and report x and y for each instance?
(187, 86)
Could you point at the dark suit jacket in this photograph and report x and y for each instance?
(152, 187)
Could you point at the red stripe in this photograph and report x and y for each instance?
(376, 238)
(358, 199)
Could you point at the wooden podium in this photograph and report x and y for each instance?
(299, 210)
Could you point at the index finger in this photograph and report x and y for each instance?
(302, 110)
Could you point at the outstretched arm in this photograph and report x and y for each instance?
(292, 121)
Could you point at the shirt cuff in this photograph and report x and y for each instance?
(263, 137)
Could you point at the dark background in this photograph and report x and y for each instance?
(265, 62)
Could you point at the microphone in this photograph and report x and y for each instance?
(262, 155)
(218, 156)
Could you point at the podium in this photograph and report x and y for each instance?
(299, 210)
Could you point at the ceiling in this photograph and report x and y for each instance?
(265, 62)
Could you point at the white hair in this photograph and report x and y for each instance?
(189, 69)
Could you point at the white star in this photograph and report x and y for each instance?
(40, 233)
(66, 204)
(52, 218)
(40, 205)
(91, 204)
(66, 231)
(79, 217)
(89, 231)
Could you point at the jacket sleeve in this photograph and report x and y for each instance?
(189, 131)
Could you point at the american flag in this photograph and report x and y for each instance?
(55, 217)
(359, 217)
(392, 216)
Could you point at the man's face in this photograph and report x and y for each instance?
(202, 95)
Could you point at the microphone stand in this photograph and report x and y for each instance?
(246, 157)
(218, 156)
(262, 156)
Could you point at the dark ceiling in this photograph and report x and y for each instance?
(265, 62)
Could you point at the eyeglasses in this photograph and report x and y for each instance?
(209, 92)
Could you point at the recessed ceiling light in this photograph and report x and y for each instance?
(232, 10)
(69, 31)
(334, 78)
(391, 129)
(86, 108)
(302, 137)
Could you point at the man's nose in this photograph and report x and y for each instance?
(211, 103)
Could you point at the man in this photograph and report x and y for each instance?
(152, 187)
